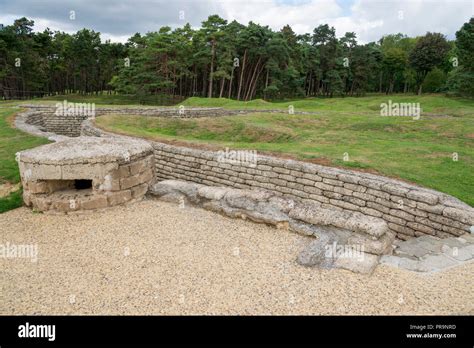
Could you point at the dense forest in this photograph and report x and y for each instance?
(232, 60)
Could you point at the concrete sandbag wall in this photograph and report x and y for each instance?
(408, 209)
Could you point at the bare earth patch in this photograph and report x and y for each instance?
(7, 188)
(156, 258)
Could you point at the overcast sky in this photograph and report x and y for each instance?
(369, 19)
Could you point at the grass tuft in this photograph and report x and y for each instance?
(12, 201)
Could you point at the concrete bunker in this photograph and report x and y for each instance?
(85, 173)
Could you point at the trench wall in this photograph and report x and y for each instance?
(409, 210)
(45, 119)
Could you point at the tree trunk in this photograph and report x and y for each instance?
(249, 91)
(380, 83)
(213, 52)
(266, 84)
(252, 93)
(230, 83)
(203, 91)
(241, 75)
(266, 78)
(309, 83)
(222, 87)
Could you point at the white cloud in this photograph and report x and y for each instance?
(369, 19)
(300, 16)
(411, 17)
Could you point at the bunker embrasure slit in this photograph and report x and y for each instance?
(82, 184)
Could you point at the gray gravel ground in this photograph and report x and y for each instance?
(153, 257)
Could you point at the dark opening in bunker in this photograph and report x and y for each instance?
(82, 184)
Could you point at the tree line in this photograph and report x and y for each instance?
(232, 60)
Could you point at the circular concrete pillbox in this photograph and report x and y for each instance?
(85, 173)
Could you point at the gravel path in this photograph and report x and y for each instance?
(156, 258)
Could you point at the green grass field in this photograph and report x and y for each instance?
(419, 151)
(431, 103)
(12, 141)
